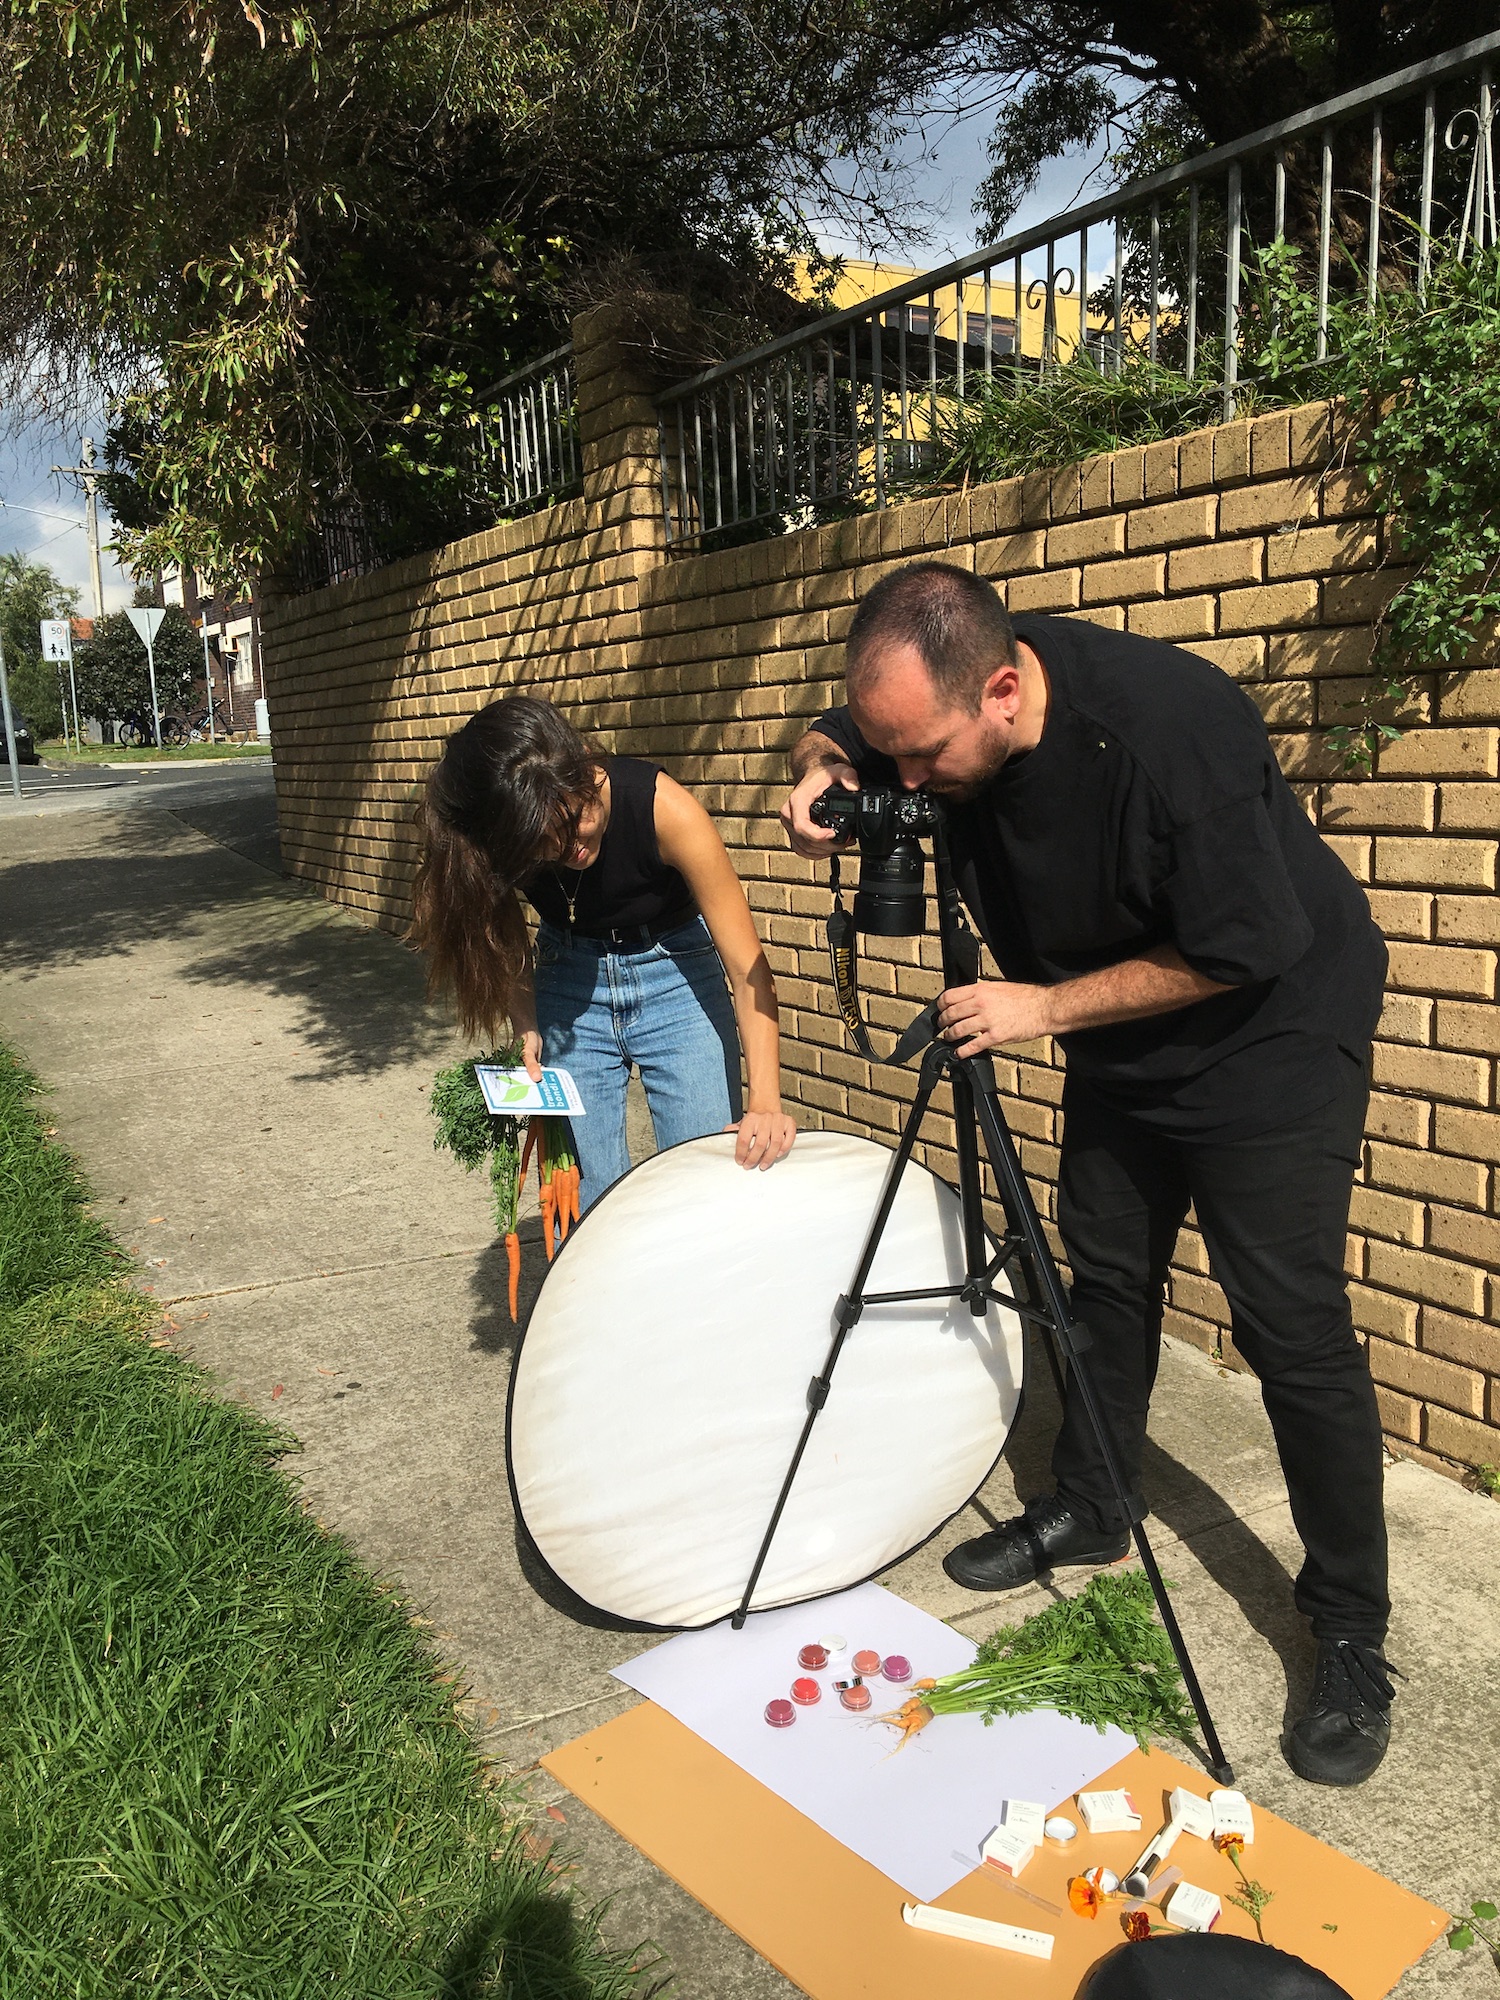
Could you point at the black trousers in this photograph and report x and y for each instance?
(1274, 1213)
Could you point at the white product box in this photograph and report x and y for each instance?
(1191, 1909)
(1232, 1814)
(978, 1930)
(1109, 1812)
(1022, 1817)
(1009, 1851)
(1190, 1813)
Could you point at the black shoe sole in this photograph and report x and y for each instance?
(1311, 1776)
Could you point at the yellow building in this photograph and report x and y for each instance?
(978, 319)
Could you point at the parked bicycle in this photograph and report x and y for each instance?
(194, 727)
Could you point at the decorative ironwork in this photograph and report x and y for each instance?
(843, 414)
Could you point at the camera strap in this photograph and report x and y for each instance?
(843, 953)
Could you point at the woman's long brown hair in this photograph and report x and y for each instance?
(510, 786)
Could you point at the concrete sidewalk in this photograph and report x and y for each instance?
(244, 1072)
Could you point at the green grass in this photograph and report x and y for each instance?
(58, 752)
(229, 1766)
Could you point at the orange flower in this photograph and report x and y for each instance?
(1232, 1844)
(1084, 1899)
(1137, 1925)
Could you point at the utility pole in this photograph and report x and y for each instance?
(87, 475)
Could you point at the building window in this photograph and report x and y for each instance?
(916, 319)
(1002, 334)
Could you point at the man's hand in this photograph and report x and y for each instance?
(813, 842)
(985, 1016)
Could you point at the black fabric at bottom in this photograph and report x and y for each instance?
(1274, 1213)
(1193, 1967)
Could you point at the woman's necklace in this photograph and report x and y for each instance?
(577, 885)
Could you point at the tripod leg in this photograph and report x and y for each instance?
(1021, 1213)
(846, 1314)
(970, 1189)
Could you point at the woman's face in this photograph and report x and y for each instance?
(580, 849)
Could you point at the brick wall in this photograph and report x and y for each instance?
(1252, 544)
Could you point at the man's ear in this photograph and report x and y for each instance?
(1002, 690)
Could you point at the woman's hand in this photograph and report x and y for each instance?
(764, 1138)
(531, 1053)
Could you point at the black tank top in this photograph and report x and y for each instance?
(629, 887)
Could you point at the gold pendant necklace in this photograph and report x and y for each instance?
(569, 900)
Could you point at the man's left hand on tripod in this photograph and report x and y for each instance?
(995, 1011)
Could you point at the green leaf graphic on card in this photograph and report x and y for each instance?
(514, 1092)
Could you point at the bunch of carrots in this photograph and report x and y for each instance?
(473, 1134)
(557, 1179)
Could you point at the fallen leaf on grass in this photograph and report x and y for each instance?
(328, 1371)
(279, 1390)
(156, 1218)
(556, 1812)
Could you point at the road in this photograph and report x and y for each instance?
(232, 800)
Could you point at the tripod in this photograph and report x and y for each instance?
(1021, 1256)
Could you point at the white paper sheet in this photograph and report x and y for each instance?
(917, 1813)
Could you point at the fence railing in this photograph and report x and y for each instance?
(841, 414)
(523, 453)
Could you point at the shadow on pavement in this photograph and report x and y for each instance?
(360, 996)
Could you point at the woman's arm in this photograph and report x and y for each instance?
(690, 843)
(523, 1018)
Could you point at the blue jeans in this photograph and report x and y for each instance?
(667, 1012)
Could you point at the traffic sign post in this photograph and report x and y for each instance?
(57, 644)
(147, 622)
(10, 725)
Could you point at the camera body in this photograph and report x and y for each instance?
(888, 826)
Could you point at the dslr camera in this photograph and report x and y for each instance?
(888, 826)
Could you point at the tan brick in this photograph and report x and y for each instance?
(1269, 607)
(1178, 618)
(1202, 1296)
(1400, 1417)
(1473, 1135)
(1445, 753)
(1216, 564)
(1172, 523)
(1462, 1438)
(1463, 1026)
(1406, 1017)
(1010, 555)
(1110, 616)
(1473, 1343)
(1159, 470)
(1402, 913)
(1435, 863)
(1119, 582)
(1270, 444)
(1450, 1079)
(1284, 704)
(1406, 1120)
(1095, 483)
(1381, 1314)
(1427, 1376)
(1355, 850)
(1086, 541)
(1461, 1233)
(1312, 433)
(1389, 1215)
(1438, 968)
(1319, 552)
(1344, 653)
(1275, 504)
(1052, 590)
(1466, 807)
(1195, 461)
(1433, 1175)
(1472, 696)
(1435, 1280)
(1243, 658)
(1344, 493)
(1377, 804)
(1467, 920)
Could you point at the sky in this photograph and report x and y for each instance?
(945, 159)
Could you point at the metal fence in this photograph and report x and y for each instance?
(859, 406)
(521, 454)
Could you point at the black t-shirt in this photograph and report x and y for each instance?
(628, 887)
(1153, 812)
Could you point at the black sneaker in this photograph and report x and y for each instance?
(1047, 1536)
(1341, 1736)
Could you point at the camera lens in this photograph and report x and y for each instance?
(889, 901)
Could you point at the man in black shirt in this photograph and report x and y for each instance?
(1158, 901)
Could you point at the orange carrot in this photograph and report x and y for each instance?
(909, 1718)
(513, 1259)
(548, 1195)
(566, 1208)
(532, 1129)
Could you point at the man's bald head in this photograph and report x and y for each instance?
(953, 620)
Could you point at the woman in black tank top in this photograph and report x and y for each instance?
(641, 918)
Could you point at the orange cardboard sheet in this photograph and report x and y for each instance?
(832, 1924)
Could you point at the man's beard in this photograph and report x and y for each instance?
(960, 790)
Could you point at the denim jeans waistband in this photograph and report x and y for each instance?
(682, 938)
